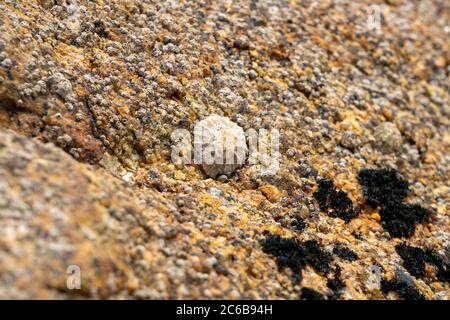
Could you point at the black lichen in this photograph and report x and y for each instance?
(444, 273)
(400, 219)
(414, 260)
(287, 251)
(100, 29)
(345, 253)
(295, 255)
(292, 254)
(443, 267)
(310, 294)
(358, 235)
(299, 224)
(404, 290)
(386, 188)
(335, 203)
(383, 186)
(317, 258)
(336, 284)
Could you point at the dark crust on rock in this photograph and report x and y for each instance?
(335, 203)
(404, 290)
(400, 219)
(383, 186)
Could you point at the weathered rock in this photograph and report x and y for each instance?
(223, 145)
(56, 213)
(388, 138)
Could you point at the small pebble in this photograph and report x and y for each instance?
(388, 138)
(252, 74)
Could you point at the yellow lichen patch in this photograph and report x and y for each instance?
(123, 110)
(351, 122)
(271, 192)
(210, 201)
(363, 225)
(376, 217)
(179, 175)
(253, 198)
(349, 184)
(254, 53)
(132, 283)
(310, 279)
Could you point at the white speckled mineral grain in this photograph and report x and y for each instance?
(220, 146)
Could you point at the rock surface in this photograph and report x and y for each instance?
(91, 91)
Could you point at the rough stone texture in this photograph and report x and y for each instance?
(388, 138)
(218, 133)
(56, 212)
(105, 83)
